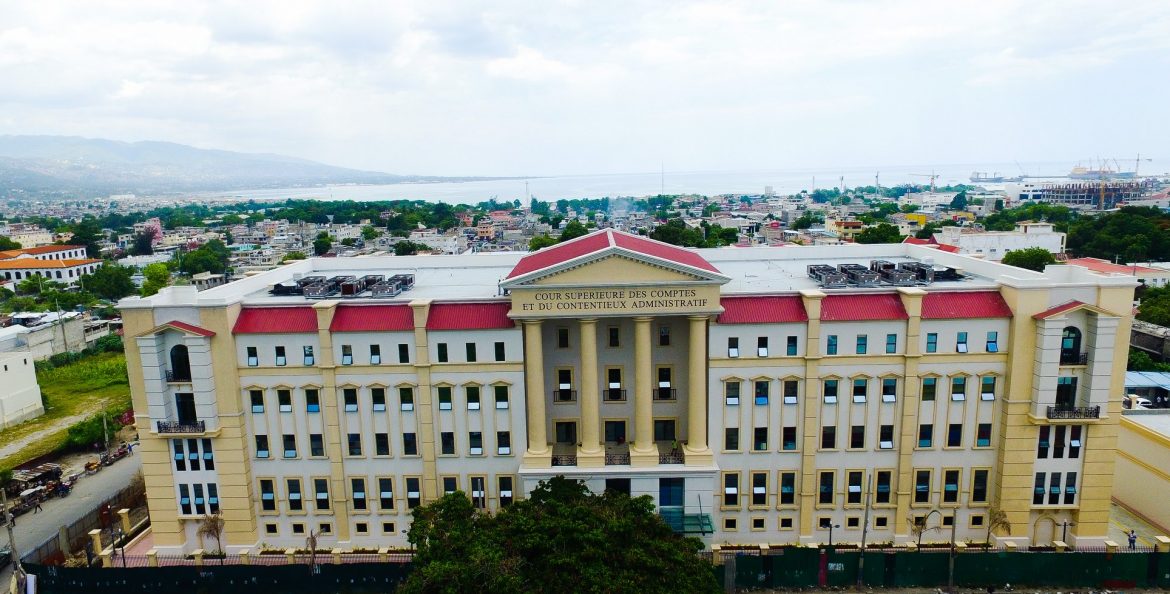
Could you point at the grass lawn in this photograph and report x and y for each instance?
(79, 388)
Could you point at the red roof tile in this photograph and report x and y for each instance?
(276, 320)
(603, 240)
(1059, 309)
(1105, 266)
(563, 252)
(662, 250)
(762, 310)
(372, 318)
(943, 247)
(185, 327)
(855, 308)
(470, 316)
(915, 241)
(968, 304)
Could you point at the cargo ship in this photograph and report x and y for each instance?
(979, 177)
(1080, 172)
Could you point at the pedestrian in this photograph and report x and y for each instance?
(1132, 539)
(38, 507)
(12, 519)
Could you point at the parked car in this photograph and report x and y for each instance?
(1136, 402)
(5, 557)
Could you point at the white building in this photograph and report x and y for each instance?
(20, 399)
(992, 245)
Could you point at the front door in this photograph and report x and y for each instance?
(670, 492)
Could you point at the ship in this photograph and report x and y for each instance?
(979, 177)
(1081, 172)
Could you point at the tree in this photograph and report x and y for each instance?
(918, 528)
(408, 248)
(143, 244)
(157, 276)
(807, 220)
(322, 244)
(292, 256)
(540, 242)
(110, 282)
(881, 233)
(998, 204)
(7, 244)
(959, 202)
(370, 233)
(996, 519)
(1033, 258)
(211, 526)
(562, 537)
(572, 230)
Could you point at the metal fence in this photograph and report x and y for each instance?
(77, 533)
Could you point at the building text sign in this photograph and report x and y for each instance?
(601, 301)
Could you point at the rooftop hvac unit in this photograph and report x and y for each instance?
(923, 273)
(310, 280)
(889, 273)
(320, 290)
(826, 276)
(858, 275)
(385, 289)
(406, 281)
(281, 289)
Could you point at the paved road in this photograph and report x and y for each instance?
(89, 492)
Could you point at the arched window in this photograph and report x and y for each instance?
(180, 364)
(1070, 345)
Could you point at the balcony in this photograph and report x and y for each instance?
(1074, 412)
(181, 426)
(564, 460)
(671, 457)
(1074, 358)
(564, 395)
(178, 377)
(613, 394)
(617, 454)
(665, 393)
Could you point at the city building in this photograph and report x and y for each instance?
(1143, 465)
(41, 335)
(993, 245)
(758, 395)
(20, 399)
(1152, 276)
(62, 263)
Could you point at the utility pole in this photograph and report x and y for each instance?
(951, 561)
(105, 430)
(864, 531)
(11, 538)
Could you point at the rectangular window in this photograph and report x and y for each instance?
(403, 353)
(891, 344)
(321, 493)
(922, 486)
(472, 394)
(406, 398)
(193, 454)
(959, 388)
(501, 394)
(566, 432)
(479, 492)
(886, 437)
(257, 397)
(475, 443)
(1058, 441)
(295, 503)
(378, 399)
(358, 487)
(791, 391)
(375, 354)
(564, 391)
(413, 498)
(791, 348)
(444, 397)
(979, 486)
(253, 358)
(853, 480)
(762, 346)
(309, 358)
(316, 445)
(349, 395)
(987, 387)
(664, 430)
(664, 336)
(261, 446)
(831, 345)
(860, 388)
(501, 355)
(731, 439)
(760, 441)
(281, 359)
(505, 485)
(862, 344)
(447, 442)
(857, 437)
(882, 492)
(284, 400)
(787, 488)
(1038, 489)
(889, 389)
(665, 391)
(469, 349)
(1043, 443)
(503, 443)
(762, 392)
(386, 494)
(346, 354)
(925, 435)
(788, 439)
(828, 438)
(929, 388)
(450, 484)
(950, 486)
(932, 342)
(1070, 488)
(409, 444)
(961, 343)
(381, 444)
(562, 338)
(181, 456)
(1074, 441)
(759, 488)
(441, 349)
(955, 435)
(731, 489)
(983, 435)
(312, 400)
(290, 446)
(354, 441)
(731, 393)
(993, 342)
(830, 391)
(267, 495)
(825, 491)
(615, 337)
(1054, 488)
(615, 432)
(733, 347)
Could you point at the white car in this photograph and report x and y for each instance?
(1138, 403)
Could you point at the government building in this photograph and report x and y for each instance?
(759, 395)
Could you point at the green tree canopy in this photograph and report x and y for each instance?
(1033, 258)
(540, 241)
(212, 257)
(572, 230)
(110, 282)
(88, 234)
(959, 202)
(289, 257)
(322, 244)
(143, 244)
(408, 248)
(881, 233)
(6, 243)
(157, 276)
(562, 538)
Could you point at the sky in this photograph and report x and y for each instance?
(593, 86)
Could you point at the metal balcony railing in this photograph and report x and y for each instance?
(613, 394)
(672, 457)
(617, 459)
(1074, 358)
(564, 395)
(1074, 412)
(180, 377)
(181, 427)
(665, 393)
(564, 460)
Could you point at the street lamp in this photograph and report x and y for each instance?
(1064, 530)
(951, 556)
(830, 526)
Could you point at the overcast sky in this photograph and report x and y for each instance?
(541, 87)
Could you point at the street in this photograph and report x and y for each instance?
(88, 493)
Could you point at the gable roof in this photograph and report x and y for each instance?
(964, 305)
(1107, 267)
(470, 316)
(25, 263)
(1067, 307)
(181, 327)
(372, 318)
(609, 241)
(863, 307)
(276, 320)
(762, 310)
(36, 251)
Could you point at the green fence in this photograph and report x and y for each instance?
(803, 568)
(349, 578)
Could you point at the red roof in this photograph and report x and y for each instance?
(372, 318)
(185, 327)
(276, 320)
(470, 316)
(1059, 309)
(967, 304)
(605, 240)
(855, 308)
(1099, 265)
(762, 310)
(944, 247)
(914, 240)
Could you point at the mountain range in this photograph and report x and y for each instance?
(46, 166)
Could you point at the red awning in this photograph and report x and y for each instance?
(960, 305)
(469, 316)
(762, 310)
(276, 320)
(857, 308)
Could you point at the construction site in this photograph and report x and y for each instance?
(1101, 195)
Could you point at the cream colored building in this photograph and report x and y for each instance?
(753, 403)
(1143, 465)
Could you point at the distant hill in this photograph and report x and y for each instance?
(71, 165)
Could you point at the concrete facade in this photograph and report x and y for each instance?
(20, 399)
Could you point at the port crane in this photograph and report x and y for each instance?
(932, 176)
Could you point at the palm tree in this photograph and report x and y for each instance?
(996, 519)
(212, 526)
(918, 528)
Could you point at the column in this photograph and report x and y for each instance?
(697, 452)
(590, 452)
(534, 397)
(645, 451)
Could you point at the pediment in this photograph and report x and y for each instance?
(614, 269)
